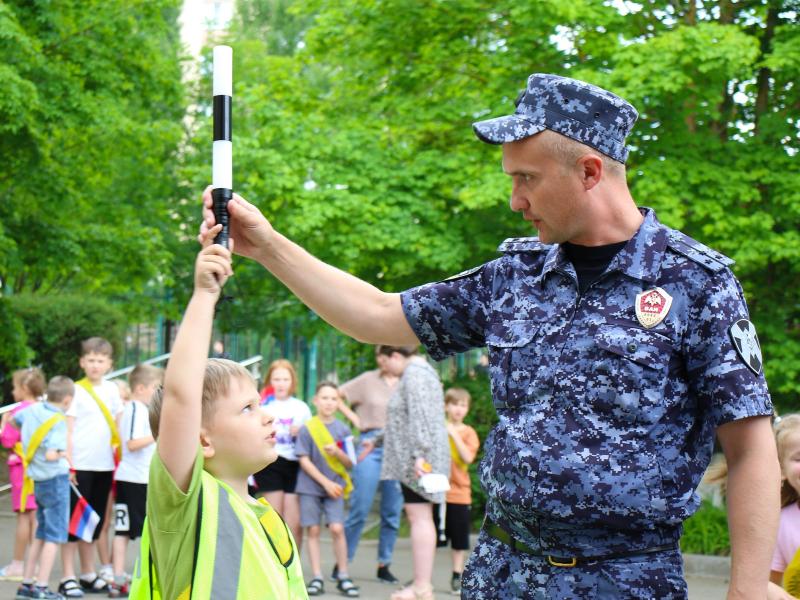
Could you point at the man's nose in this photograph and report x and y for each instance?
(518, 202)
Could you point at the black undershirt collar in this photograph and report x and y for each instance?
(590, 262)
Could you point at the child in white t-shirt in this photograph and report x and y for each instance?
(277, 481)
(92, 426)
(138, 447)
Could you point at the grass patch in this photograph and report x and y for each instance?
(373, 533)
(706, 531)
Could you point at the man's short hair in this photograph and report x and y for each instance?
(145, 375)
(567, 151)
(97, 345)
(455, 394)
(59, 388)
(216, 383)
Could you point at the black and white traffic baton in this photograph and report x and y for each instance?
(222, 161)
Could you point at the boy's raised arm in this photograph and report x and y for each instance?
(180, 422)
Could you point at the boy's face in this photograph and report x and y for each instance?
(456, 411)
(144, 393)
(239, 437)
(95, 365)
(326, 401)
(281, 381)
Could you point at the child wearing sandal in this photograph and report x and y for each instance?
(204, 535)
(325, 451)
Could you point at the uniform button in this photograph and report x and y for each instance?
(632, 347)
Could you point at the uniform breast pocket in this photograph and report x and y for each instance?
(512, 360)
(629, 375)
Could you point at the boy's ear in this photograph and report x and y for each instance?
(206, 444)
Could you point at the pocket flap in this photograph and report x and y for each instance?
(642, 347)
(512, 334)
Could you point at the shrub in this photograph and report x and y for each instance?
(56, 326)
(14, 350)
(706, 531)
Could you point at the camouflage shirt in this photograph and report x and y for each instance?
(604, 424)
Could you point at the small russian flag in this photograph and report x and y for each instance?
(84, 519)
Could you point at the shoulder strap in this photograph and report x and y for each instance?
(524, 244)
(29, 452)
(115, 441)
(700, 253)
(198, 525)
(456, 456)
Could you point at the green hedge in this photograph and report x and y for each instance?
(56, 325)
(706, 531)
(14, 350)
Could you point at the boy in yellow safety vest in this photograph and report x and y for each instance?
(204, 536)
(325, 449)
(43, 450)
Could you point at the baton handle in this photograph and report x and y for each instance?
(221, 197)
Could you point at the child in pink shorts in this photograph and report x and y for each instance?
(28, 387)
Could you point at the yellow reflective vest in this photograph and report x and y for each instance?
(238, 556)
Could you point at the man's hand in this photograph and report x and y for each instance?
(334, 490)
(367, 446)
(213, 265)
(246, 224)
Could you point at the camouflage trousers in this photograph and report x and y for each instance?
(497, 572)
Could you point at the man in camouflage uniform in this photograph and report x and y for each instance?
(618, 348)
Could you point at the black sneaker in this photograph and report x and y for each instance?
(455, 584)
(385, 575)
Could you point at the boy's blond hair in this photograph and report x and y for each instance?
(145, 375)
(456, 394)
(97, 345)
(31, 378)
(216, 382)
(59, 388)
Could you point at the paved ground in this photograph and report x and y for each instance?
(363, 569)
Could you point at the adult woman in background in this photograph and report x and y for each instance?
(415, 442)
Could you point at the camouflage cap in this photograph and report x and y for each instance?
(576, 109)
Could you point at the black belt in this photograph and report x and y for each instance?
(502, 535)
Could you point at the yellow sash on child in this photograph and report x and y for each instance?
(791, 576)
(27, 456)
(116, 444)
(322, 437)
(455, 456)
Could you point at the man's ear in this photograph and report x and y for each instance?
(590, 168)
(206, 444)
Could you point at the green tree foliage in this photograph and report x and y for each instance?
(56, 326)
(90, 122)
(356, 141)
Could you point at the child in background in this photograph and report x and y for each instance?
(323, 484)
(277, 482)
(464, 444)
(44, 442)
(95, 444)
(785, 568)
(28, 386)
(212, 435)
(106, 571)
(138, 446)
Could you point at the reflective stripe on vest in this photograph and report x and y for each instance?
(245, 562)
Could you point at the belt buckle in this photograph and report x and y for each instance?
(557, 561)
